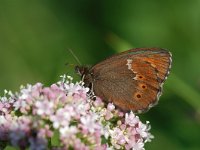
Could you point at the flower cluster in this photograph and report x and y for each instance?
(63, 117)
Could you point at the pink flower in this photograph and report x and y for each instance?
(62, 117)
(44, 107)
(45, 132)
(108, 115)
(98, 102)
(22, 105)
(30, 118)
(110, 106)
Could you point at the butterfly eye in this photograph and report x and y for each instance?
(92, 74)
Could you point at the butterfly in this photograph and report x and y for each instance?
(132, 80)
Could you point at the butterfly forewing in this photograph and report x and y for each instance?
(133, 79)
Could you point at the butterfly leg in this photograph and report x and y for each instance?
(91, 94)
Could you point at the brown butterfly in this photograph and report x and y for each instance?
(132, 80)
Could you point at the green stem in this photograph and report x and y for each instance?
(184, 90)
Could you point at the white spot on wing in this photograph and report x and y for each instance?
(153, 65)
(129, 64)
(129, 61)
(135, 78)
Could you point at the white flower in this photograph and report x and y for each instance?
(25, 92)
(116, 133)
(106, 131)
(72, 88)
(139, 145)
(2, 120)
(20, 103)
(68, 131)
(131, 119)
(89, 122)
(44, 107)
(142, 129)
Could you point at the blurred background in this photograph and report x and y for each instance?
(35, 36)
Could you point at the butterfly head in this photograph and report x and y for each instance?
(81, 70)
(86, 75)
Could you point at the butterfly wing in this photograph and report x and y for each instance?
(133, 79)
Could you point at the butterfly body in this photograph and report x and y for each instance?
(132, 80)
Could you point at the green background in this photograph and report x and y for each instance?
(35, 36)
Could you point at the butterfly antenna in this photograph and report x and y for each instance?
(74, 56)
